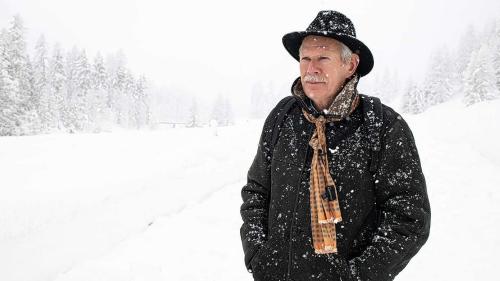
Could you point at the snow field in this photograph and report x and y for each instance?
(164, 205)
(66, 199)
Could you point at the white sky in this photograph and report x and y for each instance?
(223, 46)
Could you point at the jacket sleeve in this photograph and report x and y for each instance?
(255, 195)
(403, 205)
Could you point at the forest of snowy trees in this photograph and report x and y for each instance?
(53, 90)
(58, 91)
(470, 73)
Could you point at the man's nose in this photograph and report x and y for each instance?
(312, 67)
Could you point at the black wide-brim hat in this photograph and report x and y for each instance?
(334, 25)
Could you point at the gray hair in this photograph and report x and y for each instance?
(345, 53)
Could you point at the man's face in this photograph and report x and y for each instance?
(322, 70)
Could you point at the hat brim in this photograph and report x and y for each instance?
(293, 40)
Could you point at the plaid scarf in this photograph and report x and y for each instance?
(325, 209)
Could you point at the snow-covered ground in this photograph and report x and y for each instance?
(164, 205)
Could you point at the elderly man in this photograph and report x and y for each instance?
(336, 190)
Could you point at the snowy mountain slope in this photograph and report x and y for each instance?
(164, 205)
(460, 153)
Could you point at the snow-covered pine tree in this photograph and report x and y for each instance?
(45, 102)
(126, 100)
(222, 111)
(20, 71)
(80, 95)
(438, 84)
(217, 115)
(134, 113)
(69, 117)
(141, 113)
(57, 89)
(228, 112)
(468, 44)
(495, 43)
(480, 80)
(32, 121)
(99, 111)
(18, 68)
(413, 99)
(99, 76)
(9, 115)
(120, 80)
(193, 117)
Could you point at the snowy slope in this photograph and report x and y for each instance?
(164, 205)
(69, 199)
(460, 151)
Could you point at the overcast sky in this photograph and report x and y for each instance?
(224, 46)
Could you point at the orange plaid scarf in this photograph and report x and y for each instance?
(325, 209)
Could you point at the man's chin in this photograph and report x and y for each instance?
(314, 93)
(317, 87)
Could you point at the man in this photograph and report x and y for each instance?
(336, 190)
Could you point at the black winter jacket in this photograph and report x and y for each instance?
(385, 213)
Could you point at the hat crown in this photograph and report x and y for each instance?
(332, 22)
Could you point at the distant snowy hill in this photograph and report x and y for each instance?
(164, 205)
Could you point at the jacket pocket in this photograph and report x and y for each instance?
(339, 266)
(256, 262)
(269, 262)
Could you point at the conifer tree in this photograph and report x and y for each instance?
(413, 99)
(57, 88)
(193, 118)
(480, 82)
(18, 68)
(99, 109)
(45, 103)
(438, 84)
(222, 111)
(9, 118)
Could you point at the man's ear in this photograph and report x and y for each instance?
(353, 64)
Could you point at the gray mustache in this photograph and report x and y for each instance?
(314, 78)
